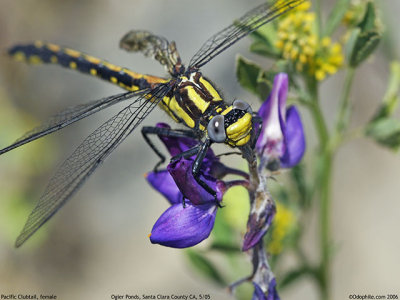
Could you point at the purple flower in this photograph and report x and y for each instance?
(259, 222)
(190, 218)
(272, 294)
(163, 182)
(184, 226)
(281, 142)
(258, 293)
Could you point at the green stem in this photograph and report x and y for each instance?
(317, 115)
(323, 178)
(325, 221)
(344, 104)
(328, 144)
(344, 110)
(326, 179)
(319, 20)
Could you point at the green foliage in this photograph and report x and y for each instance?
(205, 267)
(225, 247)
(369, 20)
(336, 16)
(384, 128)
(364, 45)
(295, 274)
(365, 38)
(391, 98)
(254, 78)
(386, 131)
(262, 42)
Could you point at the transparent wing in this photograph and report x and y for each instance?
(69, 116)
(252, 20)
(87, 157)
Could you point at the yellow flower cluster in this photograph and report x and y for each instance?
(328, 60)
(299, 43)
(284, 221)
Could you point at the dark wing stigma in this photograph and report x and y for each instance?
(245, 25)
(87, 157)
(69, 116)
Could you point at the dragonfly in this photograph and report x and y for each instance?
(187, 96)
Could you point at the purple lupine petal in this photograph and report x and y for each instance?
(272, 293)
(281, 82)
(258, 293)
(284, 140)
(181, 227)
(272, 111)
(163, 182)
(278, 93)
(258, 225)
(294, 139)
(181, 171)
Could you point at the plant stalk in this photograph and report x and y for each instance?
(323, 178)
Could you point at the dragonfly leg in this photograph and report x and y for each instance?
(196, 169)
(200, 151)
(167, 132)
(257, 120)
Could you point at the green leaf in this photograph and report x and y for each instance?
(265, 34)
(365, 39)
(247, 74)
(253, 78)
(385, 131)
(364, 45)
(294, 275)
(225, 247)
(351, 41)
(262, 42)
(264, 49)
(205, 267)
(265, 81)
(368, 22)
(336, 16)
(391, 99)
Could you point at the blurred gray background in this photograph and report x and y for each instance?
(97, 245)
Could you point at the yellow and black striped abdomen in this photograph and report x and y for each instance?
(40, 52)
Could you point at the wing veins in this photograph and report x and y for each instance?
(87, 157)
(248, 23)
(70, 116)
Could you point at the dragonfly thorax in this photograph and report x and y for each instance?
(192, 100)
(197, 103)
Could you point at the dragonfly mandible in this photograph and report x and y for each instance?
(187, 96)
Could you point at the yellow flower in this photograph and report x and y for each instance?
(283, 224)
(328, 60)
(298, 42)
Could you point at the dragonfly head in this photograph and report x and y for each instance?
(233, 126)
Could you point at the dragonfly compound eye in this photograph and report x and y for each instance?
(216, 129)
(242, 105)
